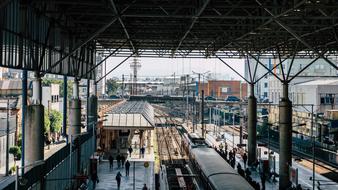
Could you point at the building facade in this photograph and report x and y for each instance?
(51, 97)
(223, 88)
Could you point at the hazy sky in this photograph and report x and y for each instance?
(166, 67)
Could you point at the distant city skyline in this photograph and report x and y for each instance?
(160, 67)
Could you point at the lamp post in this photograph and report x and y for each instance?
(313, 151)
(233, 129)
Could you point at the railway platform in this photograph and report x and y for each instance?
(304, 173)
(141, 171)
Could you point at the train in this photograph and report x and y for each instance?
(215, 173)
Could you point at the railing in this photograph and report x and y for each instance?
(302, 147)
(57, 171)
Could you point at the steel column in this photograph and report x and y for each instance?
(285, 138)
(252, 121)
(64, 112)
(202, 115)
(23, 117)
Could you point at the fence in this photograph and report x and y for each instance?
(60, 169)
(302, 147)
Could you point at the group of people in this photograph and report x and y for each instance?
(120, 158)
(230, 157)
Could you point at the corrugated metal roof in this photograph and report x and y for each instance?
(132, 114)
(10, 84)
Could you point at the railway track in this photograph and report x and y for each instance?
(171, 154)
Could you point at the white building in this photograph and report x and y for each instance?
(51, 97)
(322, 93)
(318, 69)
(101, 71)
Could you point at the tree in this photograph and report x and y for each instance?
(55, 118)
(46, 128)
(16, 152)
(112, 86)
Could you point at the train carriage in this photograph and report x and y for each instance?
(216, 173)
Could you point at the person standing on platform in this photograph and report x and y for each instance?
(245, 158)
(123, 159)
(111, 162)
(145, 187)
(263, 179)
(127, 167)
(95, 179)
(130, 150)
(142, 151)
(118, 159)
(118, 179)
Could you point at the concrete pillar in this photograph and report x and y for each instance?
(64, 113)
(37, 90)
(75, 111)
(34, 120)
(252, 121)
(285, 138)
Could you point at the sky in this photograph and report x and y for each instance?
(152, 67)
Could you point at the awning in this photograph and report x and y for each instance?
(130, 115)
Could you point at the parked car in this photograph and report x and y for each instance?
(232, 99)
(114, 97)
(210, 98)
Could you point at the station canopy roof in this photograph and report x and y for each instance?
(200, 28)
(130, 115)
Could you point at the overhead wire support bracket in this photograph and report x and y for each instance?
(299, 38)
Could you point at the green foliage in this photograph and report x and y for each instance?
(46, 128)
(112, 86)
(12, 170)
(16, 152)
(19, 143)
(55, 118)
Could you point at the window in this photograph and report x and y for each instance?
(265, 94)
(327, 99)
(265, 85)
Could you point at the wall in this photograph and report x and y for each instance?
(223, 88)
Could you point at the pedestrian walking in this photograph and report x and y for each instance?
(245, 158)
(263, 179)
(123, 159)
(118, 159)
(130, 150)
(111, 161)
(127, 167)
(145, 187)
(95, 179)
(118, 179)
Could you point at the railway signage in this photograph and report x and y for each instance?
(294, 175)
(146, 164)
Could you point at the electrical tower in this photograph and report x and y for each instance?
(135, 65)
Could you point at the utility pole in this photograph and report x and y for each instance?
(202, 115)
(7, 140)
(122, 86)
(199, 81)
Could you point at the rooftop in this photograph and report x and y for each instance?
(130, 115)
(321, 82)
